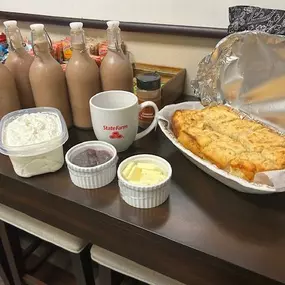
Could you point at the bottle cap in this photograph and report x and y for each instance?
(10, 24)
(113, 24)
(76, 25)
(37, 27)
(148, 81)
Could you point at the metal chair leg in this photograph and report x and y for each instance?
(12, 248)
(82, 267)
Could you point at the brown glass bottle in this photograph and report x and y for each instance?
(47, 77)
(83, 78)
(9, 100)
(116, 70)
(19, 62)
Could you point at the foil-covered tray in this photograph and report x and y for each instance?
(239, 184)
(247, 71)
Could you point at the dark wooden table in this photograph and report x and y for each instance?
(205, 233)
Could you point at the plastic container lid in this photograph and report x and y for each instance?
(36, 148)
(148, 81)
(76, 25)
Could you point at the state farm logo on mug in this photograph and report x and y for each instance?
(115, 117)
(116, 128)
(115, 134)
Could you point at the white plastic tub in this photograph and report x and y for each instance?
(33, 158)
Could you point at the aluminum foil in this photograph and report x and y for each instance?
(247, 71)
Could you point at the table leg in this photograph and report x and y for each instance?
(5, 273)
(11, 245)
(82, 266)
(4, 276)
(109, 277)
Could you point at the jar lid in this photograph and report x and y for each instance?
(148, 81)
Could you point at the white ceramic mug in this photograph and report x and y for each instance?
(115, 117)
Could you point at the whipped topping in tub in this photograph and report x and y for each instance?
(33, 128)
(33, 139)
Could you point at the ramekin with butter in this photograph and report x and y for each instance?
(144, 180)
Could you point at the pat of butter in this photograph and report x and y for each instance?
(145, 165)
(142, 173)
(135, 174)
(128, 169)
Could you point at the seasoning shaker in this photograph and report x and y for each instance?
(148, 89)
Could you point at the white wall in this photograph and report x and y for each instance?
(205, 13)
(176, 51)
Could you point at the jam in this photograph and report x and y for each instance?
(91, 157)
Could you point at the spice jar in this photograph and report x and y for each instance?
(148, 89)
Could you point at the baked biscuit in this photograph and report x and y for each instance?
(261, 139)
(247, 164)
(196, 139)
(276, 155)
(222, 152)
(189, 118)
(235, 128)
(220, 114)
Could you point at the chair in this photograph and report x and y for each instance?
(112, 261)
(77, 248)
(5, 273)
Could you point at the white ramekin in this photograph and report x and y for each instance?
(145, 196)
(96, 176)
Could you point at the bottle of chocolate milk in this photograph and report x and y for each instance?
(83, 78)
(19, 62)
(9, 100)
(46, 75)
(116, 70)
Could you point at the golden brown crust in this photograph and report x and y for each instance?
(190, 143)
(189, 118)
(222, 152)
(242, 168)
(177, 122)
(239, 146)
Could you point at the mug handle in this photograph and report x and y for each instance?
(154, 122)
